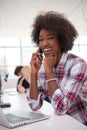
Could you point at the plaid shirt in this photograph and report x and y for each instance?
(71, 95)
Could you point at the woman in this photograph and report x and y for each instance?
(61, 76)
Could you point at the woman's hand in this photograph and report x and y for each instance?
(49, 62)
(35, 62)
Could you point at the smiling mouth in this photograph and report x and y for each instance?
(47, 50)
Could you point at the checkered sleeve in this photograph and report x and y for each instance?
(69, 88)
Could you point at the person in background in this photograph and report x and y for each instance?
(22, 84)
(61, 76)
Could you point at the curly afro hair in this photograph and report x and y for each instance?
(59, 25)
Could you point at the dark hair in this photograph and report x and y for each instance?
(17, 70)
(59, 25)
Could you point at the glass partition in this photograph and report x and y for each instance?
(18, 50)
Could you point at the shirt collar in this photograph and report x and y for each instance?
(63, 60)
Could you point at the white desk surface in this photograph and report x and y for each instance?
(65, 122)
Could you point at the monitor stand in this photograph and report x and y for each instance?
(3, 104)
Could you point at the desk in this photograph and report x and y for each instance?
(65, 122)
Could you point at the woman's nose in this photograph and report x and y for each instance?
(45, 41)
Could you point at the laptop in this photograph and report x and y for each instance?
(16, 119)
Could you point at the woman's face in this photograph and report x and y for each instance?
(49, 44)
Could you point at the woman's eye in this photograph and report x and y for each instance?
(47, 38)
(51, 37)
(40, 40)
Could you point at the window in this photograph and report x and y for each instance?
(80, 47)
(17, 51)
(14, 51)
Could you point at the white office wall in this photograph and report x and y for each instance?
(16, 17)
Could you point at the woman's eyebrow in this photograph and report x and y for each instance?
(46, 36)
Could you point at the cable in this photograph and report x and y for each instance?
(83, 10)
(75, 8)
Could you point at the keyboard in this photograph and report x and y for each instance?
(4, 105)
(15, 119)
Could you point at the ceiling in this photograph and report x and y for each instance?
(16, 16)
